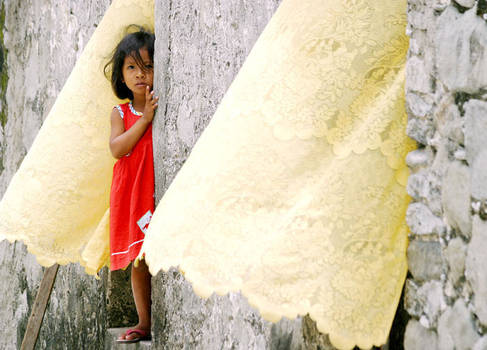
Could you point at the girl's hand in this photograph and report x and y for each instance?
(150, 104)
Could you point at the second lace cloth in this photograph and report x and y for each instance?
(294, 194)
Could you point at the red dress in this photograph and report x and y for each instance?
(132, 195)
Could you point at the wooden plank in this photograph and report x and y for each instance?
(40, 305)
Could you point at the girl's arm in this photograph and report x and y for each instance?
(122, 141)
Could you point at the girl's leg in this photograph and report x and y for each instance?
(141, 289)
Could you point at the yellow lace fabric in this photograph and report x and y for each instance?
(57, 202)
(294, 194)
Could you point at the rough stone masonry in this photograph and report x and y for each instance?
(446, 94)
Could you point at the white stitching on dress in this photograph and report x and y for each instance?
(126, 251)
(132, 109)
(119, 110)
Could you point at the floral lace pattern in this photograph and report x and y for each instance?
(57, 202)
(294, 194)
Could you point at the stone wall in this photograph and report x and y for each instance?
(446, 93)
(41, 40)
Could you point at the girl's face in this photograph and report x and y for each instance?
(136, 78)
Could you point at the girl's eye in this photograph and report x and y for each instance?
(149, 66)
(130, 66)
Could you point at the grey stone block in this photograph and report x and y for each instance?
(481, 344)
(425, 260)
(456, 330)
(421, 17)
(417, 185)
(456, 198)
(420, 129)
(475, 128)
(476, 266)
(419, 158)
(460, 154)
(413, 301)
(479, 176)
(461, 44)
(465, 3)
(417, 43)
(435, 300)
(448, 120)
(426, 300)
(440, 5)
(455, 255)
(444, 150)
(419, 338)
(425, 186)
(419, 78)
(422, 221)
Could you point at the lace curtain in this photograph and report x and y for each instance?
(57, 202)
(294, 194)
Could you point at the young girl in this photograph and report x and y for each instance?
(132, 191)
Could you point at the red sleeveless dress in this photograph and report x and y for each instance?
(132, 195)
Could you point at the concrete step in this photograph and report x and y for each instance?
(111, 343)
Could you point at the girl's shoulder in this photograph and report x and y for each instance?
(122, 109)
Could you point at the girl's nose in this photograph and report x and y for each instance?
(140, 72)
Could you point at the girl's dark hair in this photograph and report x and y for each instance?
(128, 46)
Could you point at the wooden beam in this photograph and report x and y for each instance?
(35, 319)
